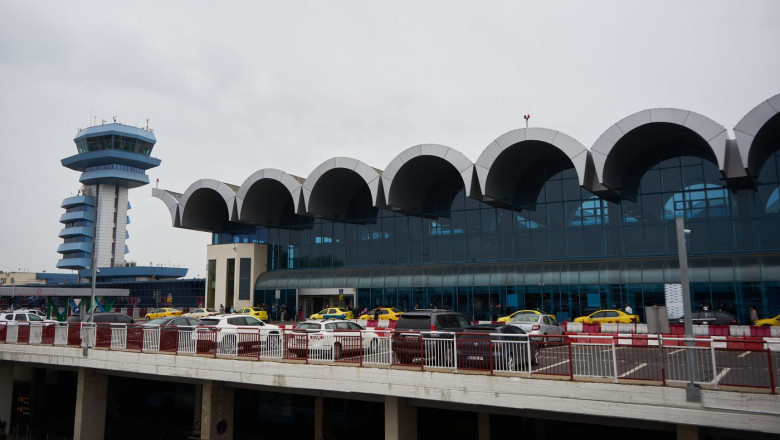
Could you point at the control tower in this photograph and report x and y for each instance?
(112, 158)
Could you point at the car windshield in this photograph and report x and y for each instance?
(525, 318)
(208, 322)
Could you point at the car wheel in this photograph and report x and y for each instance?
(448, 356)
(510, 362)
(536, 355)
(373, 347)
(337, 351)
(272, 341)
(228, 345)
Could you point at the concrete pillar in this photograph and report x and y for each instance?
(483, 425)
(6, 393)
(217, 412)
(91, 392)
(687, 432)
(400, 419)
(197, 409)
(323, 419)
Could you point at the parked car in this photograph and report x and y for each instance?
(333, 313)
(24, 316)
(432, 325)
(603, 316)
(710, 317)
(200, 313)
(540, 325)
(390, 313)
(506, 344)
(768, 321)
(340, 338)
(257, 312)
(229, 332)
(105, 317)
(509, 317)
(162, 312)
(168, 321)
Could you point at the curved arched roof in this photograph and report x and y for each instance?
(751, 150)
(328, 190)
(171, 200)
(497, 180)
(396, 193)
(269, 190)
(709, 131)
(204, 201)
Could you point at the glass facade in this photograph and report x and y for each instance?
(587, 242)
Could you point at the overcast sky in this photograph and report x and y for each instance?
(234, 87)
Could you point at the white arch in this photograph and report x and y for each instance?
(748, 127)
(710, 131)
(369, 175)
(226, 191)
(171, 201)
(454, 157)
(292, 183)
(572, 148)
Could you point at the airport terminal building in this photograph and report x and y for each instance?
(538, 221)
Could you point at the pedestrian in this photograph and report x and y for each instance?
(416, 307)
(283, 312)
(300, 312)
(499, 310)
(273, 311)
(753, 314)
(221, 309)
(629, 310)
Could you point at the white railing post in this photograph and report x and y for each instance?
(714, 365)
(614, 360)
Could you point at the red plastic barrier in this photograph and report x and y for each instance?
(760, 332)
(3, 331)
(47, 334)
(677, 329)
(23, 337)
(718, 330)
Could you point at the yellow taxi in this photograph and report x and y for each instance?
(333, 313)
(390, 313)
(602, 316)
(162, 313)
(257, 312)
(768, 321)
(508, 318)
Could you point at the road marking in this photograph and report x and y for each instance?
(721, 374)
(744, 354)
(633, 369)
(550, 366)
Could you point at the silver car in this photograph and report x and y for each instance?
(539, 325)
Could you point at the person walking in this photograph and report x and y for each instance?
(753, 314)
(629, 310)
(221, 309)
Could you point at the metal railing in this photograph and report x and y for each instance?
(746, 363)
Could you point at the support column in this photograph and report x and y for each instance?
(687, 432)
(6, 393)
(323, 419)
(91, 393)
(400, 419)
(483, 425)
(217, 412)
(197, 410)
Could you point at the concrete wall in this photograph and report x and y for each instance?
(640, 403)
(221, 253)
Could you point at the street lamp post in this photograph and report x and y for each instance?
(693, 393)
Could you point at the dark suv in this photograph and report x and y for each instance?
(422, 335)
